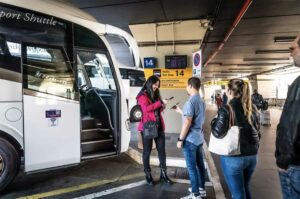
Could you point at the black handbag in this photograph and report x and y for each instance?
(150, 130)
(265, 105)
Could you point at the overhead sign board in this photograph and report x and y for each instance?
(176, 61)
(170, 78)
(197, 63)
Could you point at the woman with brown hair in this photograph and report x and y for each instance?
(239, 169)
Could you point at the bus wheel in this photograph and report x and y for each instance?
(9, 163)
(135, 114)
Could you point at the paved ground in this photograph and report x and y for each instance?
(265, 182)
(177, 190)
(99, 172)
(118, 177)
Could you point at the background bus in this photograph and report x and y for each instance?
(134, 80)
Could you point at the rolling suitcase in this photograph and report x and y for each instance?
(265, 118)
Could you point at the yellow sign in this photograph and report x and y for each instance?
(219, 83)
(216, 83)
(170, 78)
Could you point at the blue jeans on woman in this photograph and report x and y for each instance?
(238, 171)
(290, 182)
(195, 164)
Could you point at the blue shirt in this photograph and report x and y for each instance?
(195, 108)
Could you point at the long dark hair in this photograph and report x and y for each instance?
(241, 90)
(153, 96)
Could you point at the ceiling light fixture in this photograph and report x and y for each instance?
(242, 71)
(258, 52)
(267, 59)
(257, 64)
(256, 68)
(225, 75)
(216, 63)
(225, 72)
(169, 43)
(284, 39)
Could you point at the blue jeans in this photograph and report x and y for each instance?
(290, 182)
(238, 171)
(195, 164)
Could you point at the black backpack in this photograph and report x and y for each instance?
(265, 105)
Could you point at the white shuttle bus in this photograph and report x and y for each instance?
(53, 111)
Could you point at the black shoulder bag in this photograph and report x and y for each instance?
(150, 129)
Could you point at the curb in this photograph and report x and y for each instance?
(215, 179)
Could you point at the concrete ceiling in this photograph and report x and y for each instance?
(121, 13)
(263, 21)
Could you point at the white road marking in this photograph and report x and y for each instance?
(113, 190)
(185, 181)
(186, 197)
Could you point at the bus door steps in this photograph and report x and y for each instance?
(94, 155)
(95, 138)
(96, 129)
(96, 141)
(97, 145)
(88, 122)
(95, 134)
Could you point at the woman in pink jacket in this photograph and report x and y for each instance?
(152, 105)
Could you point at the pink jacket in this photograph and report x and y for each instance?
(148, 109)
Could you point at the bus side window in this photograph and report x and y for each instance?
(46, 70)
(8, 59)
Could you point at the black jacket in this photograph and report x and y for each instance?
(288, 130)
(257, 100)
(249, 134)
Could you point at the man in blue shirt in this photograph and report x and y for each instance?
(191, 137)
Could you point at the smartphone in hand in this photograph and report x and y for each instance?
(169, 98)
(174, 107)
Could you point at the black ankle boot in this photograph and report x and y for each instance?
(149, 178)
(163, 176)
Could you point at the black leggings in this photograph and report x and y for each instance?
(160, 146)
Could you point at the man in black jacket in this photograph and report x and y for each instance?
(288, 136)
(257, 99)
